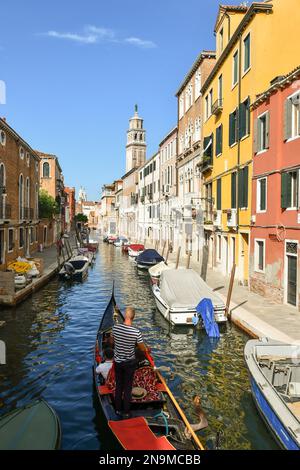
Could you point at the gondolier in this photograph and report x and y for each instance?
(126, 338)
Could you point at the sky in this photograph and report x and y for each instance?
(73, 71)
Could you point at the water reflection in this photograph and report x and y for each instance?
(50, 340)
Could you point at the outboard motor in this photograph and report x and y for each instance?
(70, 270)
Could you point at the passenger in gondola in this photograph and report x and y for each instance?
(104, 367)
(126, 339)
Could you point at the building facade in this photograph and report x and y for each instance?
(168, 188)
(148, 227)
(189, 149)
(19, 196)
(70, 207)
(52, 181)
(109, 216)
(275, 229)
(246, 36)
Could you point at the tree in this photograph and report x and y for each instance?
(48, 207)
(81, 218)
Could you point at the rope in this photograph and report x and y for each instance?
(163, 415)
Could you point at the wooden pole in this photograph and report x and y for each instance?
(156, 245)
(230, 291)
(163, 252)
(188, 261)
(178, 256)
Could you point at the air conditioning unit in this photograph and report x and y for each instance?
(218, 218)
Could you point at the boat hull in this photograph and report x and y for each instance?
(178, 316)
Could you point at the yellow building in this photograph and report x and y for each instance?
(254, 44)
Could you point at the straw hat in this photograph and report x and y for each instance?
(138, 393)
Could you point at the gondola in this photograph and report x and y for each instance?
(157, 422)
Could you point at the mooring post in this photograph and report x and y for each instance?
(164, 247)
(178, 257)
(230, 291)
(188, 261)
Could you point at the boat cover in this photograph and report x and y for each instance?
(136, 247)
(206, 309)
(135, 434)
(149, 256)
(184, 288)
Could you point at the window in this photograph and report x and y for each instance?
(243, 187)
(21, 238)
(244, 118)
(289, 190)
(219, 139)
(261, 199)
(197, 134)
(292, 117)
(235, 69)
(261, 136)
(206, 108)
(219, 247)
(181, 107)
(31, 235)
(28, 159)
(21, 197)
(197, 84)
(259, 255)
(11, 243)
(210, 101)
(208, 147)
(21, 152)
(233, 190)
(233, 128)
(2, 138)
(219, 194)
(221, 40)
(46, 170)
(247, 59)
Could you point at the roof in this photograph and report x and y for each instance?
(229, 8)
(148, 161)
(171, 132)
(130, 172)
(280, 83)
(15, 135)
(203, 55)
(257, 7)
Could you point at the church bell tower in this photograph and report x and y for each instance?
(136, 142)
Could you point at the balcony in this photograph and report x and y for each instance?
(218, 218)
(28, 213)
(5, 211)
(206, 164)
(217, 107)
(232, 218)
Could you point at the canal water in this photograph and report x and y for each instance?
(50, 339)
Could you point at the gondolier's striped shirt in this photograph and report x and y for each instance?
(126, 337)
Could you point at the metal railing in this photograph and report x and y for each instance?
(217, 107)
(5, 211)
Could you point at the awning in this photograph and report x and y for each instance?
(135, 434)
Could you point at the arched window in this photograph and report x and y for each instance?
(21, 196)
(36, 201)
(27, 192)
(2, 191)
(46, 170)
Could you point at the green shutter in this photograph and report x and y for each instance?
(231, 129)
(262, 204)
(240, 188)
(287, 123)
(233, 190)
(255, 135)
(245, 186)
(219, 194)
(221, 138)
(267, 130)
(285, 190)
(219, 134)
(242, 120)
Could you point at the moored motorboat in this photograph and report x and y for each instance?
(274, 370)
(157, 422)
(33, 427)
(111, 239)
(156, 270)
(135, 250)
(75, 269)
(120, 241)
(178, 294)
(148, 258)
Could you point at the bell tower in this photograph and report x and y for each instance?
(136, 142)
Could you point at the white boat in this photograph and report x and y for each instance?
(135, 250)
(121, 241)
(274, 370)
(75, 269)
(155, 271)
(178, 294)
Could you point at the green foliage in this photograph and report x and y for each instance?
(81, 218)
(48, 207)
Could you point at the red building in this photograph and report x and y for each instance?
(70, 204)
(275, 232)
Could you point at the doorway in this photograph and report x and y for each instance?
(291, 262)
(2, 251)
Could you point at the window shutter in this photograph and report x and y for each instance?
(221, 138)
(267, 130)
(240, 188)
(263, 194)
(287, 124)
(255, 135)
(242, 120)
(219, 194)
(231, 139)
(245, 187)
(284, 190)
(233, 190)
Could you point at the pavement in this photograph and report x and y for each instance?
(255, 314)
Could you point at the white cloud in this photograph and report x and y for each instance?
(140, 43)
(93, 34)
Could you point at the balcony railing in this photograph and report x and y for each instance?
(206, 164)
(232, 218)
(5, 211)
(26, 213)
(217, 107)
